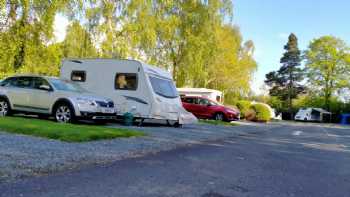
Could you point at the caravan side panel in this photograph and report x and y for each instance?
(102, 76)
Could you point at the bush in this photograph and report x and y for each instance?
(263, 113)
(243, 107)
(250, 115)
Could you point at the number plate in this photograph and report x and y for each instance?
(108, 110)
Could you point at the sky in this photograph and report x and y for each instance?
(269, 22)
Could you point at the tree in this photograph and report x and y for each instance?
(78, 42)
(285, 83)
(231, 64)
(328, 66)
(27, 32)
(195, 40)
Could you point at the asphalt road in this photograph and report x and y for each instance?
(277, 160)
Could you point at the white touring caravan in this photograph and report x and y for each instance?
(145, 91)
(214, 95)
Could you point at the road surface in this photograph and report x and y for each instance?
(277, 160)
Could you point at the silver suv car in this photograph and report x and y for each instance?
(66, 101)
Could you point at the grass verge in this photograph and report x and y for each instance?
(215, 122)
(63, 132)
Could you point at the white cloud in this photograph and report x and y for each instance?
(60, 27)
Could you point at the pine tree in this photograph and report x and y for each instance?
(285, 83)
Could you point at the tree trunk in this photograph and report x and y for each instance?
(290, 89)
(175, 71)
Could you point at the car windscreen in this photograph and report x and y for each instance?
(66, 85)
(163, 87)
(5, 81)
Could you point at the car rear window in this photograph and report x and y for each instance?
(188, 100)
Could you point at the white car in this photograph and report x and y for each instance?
(66, 101)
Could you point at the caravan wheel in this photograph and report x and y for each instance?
(173, 124)
(177, 125)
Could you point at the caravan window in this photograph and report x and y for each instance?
(163, 87)
(78, 76)
(126, 81)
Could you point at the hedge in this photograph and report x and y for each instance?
(244, 107)
(263, 113)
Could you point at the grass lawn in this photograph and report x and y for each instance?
(215, 122)
(63, 132)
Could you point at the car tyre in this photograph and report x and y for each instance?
(219, 117)
(64, 113)
(5, 108)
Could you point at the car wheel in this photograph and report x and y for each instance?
(219, 117)
(64, 114)
(5, 108)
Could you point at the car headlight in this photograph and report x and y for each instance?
(86, 101)
(231, 111)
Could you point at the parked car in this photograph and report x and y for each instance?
(208, 109)
(148, 92)
(64, 100)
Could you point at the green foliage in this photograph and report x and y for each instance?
(193, 39)
(335, 105)
(285, 83)
(328, 66)
(276, 104)
(243, 106)
(262, 112)
(63, 132)
(78, 43)
(25, 38)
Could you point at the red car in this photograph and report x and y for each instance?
(207, 109)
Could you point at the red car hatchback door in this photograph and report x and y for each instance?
(189, 104)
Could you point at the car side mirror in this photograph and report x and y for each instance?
(45, 87)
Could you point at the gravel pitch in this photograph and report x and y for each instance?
(23, 156)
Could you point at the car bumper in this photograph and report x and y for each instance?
(232, 117)
(97, 116)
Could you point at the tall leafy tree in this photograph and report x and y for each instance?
(285, 83)
(28, 31)
(328, 66)
(231, 65)
(78, 42)
(192, 39)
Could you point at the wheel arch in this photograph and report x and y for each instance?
(219, 112)
(63, 101)
(6, 98)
